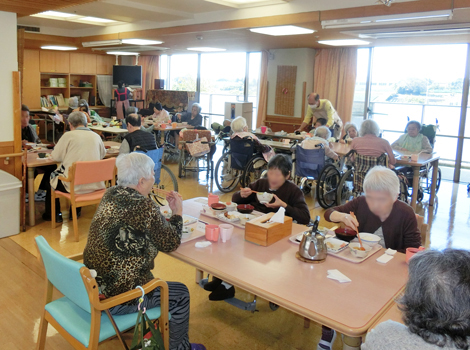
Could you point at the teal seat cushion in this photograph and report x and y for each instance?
(76, 321)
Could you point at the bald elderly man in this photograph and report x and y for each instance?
(322, 109)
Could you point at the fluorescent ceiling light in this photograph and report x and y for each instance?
(388, 19)
(248, 3)
(102, 43)
(54, 14)
(96, 19)
(282, 30)
(141, 42)
(61, 48)
(205, 49)
(122, 53)
(346, 42)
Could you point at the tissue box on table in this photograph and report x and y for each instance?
(259, 231)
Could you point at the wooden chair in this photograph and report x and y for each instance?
(424, 229)
(81, 173)
(80, 316)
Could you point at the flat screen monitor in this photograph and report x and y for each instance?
(130, 75)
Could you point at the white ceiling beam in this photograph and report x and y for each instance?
(150, 8)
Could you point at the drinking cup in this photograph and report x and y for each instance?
(225, 231)
(212, 233)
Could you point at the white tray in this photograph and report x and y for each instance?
(236, 223)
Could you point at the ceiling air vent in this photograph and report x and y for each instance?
(30, 29)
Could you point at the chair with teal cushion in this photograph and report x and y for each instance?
(79, 316)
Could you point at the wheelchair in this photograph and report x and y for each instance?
(165, 180)
(308, 166)
(240, 163)
(186, 158)
(351, 183)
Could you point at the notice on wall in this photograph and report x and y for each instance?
(285, 90)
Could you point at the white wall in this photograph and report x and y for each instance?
(304, 60)
(8, 64)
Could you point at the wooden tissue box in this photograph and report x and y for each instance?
(259, 231)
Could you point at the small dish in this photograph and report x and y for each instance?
(231, 216)
(369, 238)
(345, 234)
(218, 206)
(264, 197)
(245, 217)
(245, 208)
(356, 252)
(335, 245)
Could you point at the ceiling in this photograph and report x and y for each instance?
(29, 7)
(181, 23)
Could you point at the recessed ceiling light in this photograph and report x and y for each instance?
(205, 49)
(122, 53)
(54, 14)
(141, 42)
(96, 19)
(282, 30)
(61, 48)
(346, 42)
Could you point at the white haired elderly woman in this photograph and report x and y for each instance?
(194, 118)
(350, 133)
(240, 130)
(126, 234)
(413, 141)
(378, 212)
(370, 144)
(435, 306)
(322, 134)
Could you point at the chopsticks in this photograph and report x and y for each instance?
(156, 191)
(358, 237)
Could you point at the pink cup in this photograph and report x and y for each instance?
(263, 130)
(174, 125)
(212, 233)
(226, 231)
(410, 252)
(163, 126)
(212, 198)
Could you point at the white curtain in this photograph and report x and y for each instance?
(105, 88)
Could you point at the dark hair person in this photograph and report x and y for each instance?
(436, 305)
(286, 193)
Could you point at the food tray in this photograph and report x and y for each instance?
(236, 223)
(296, 240)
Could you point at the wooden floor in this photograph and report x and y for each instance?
(215, 324)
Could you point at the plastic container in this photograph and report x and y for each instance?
(9, 204)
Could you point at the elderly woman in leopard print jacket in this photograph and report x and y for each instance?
(126, 234)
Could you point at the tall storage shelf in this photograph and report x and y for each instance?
(42, 65)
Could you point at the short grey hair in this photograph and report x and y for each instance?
(198, 106)
(323, 132)
(77, 119)
(349, 126)
(132, 110)
(369, 127)
(382, 179)
(433, 304)
(132, 167)
(238, 124)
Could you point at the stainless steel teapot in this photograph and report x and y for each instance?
(313, 245)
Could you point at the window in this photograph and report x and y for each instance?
(361, 85)
(254, 71)
(222, 80)
(164, 70)
(183, 72)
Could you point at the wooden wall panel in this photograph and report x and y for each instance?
(104, 64)
(54, 61)
(285, 90)
(82, 63)
(7, 148)
(31, 79)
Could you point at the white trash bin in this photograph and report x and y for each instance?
(9, 204)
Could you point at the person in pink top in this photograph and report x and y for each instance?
(370, 144)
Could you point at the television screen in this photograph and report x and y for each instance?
(130, 75)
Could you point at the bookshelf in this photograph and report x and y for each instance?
(86, 92)
(59, 93)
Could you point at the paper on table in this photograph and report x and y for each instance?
(279, 216)
(336, 275)
(390, 251)
(385, 258)
(202, 244)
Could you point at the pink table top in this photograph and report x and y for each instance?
(275, 274)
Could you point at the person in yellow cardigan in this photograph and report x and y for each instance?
(322, 108)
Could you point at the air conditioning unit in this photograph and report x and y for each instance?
(408, 32)
(387, 20)
(30, 29)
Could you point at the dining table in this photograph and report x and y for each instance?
(275, 274)
(109, 129)
(275, 135)
(403, 159)
(34, 161)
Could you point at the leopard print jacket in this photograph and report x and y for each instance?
(125, 236)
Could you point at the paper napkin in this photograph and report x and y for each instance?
(203, 244)
(385, 258)
(336, 275)
(390, 251)
(279, 216)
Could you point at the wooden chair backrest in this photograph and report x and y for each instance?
(423, 229)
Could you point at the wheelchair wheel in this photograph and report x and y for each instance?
(404, 191)
(226, 178)
(168, 183)
(345, 188)
(426, 180)
(326, 186)
(253, 170)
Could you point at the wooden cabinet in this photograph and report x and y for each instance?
(82, 63)
(54, 61)
(104, 64)
(31, 79)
